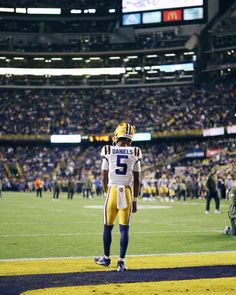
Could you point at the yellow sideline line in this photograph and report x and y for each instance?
(219, 286)
(23, 267)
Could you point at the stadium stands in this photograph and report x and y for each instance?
(83, 111)
(20, 165)
(90, 105)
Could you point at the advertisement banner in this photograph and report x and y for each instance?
(172, 15)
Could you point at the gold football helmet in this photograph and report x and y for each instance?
(124, 130)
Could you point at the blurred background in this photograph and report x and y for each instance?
(82, 67)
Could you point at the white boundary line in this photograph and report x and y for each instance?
(115, 233)
(131, 255)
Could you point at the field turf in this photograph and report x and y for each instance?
(31, 227)
(66, 234)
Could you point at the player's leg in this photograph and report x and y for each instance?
(109, 214)
(208, 200)
(217, 202)
(233, 226)
(124, 218)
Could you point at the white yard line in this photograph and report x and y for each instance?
(116, 233)
(131, 255)
(47, 224)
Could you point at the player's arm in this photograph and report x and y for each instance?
(104, 168)
(104, 180)
(136, 189)
(136, 178)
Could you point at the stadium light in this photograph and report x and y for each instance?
(189, 53)
(214, 131)
(174, 67)
(38, 58)
(76, 11)
(92, 10)
(114, 57)
(62, 71)
(20, 10)
(170, 54)
(70, 138)
(44, 10)
(231, 129)
(112, 10)
(6, 9)
(95, 58)
(142, 136)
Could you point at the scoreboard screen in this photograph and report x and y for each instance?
(140, 13)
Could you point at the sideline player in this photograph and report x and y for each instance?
(163, 188)
(232, 212)
(120, 181)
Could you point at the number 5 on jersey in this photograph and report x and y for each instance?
(122, 166)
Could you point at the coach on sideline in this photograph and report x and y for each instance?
(211, 185)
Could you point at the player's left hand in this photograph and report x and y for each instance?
(134, 207)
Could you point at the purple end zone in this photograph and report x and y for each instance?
(14, 285)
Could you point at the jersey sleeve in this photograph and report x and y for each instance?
(104, 154)
(138, 155)
(106, 150)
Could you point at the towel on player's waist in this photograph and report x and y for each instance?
(121, 198)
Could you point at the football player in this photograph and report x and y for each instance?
(121, 183)
(146, 188)
(163, 188)
(232, 212)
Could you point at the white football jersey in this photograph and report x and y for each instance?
(121, 162)
(163, 182)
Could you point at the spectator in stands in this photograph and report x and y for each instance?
(165, 109)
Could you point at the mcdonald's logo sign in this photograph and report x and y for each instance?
(172, 15)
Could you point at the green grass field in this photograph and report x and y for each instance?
(39, 228)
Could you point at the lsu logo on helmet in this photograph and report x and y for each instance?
(124, 130)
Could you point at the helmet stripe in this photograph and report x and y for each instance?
(127, 127)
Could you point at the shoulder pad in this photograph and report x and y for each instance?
(137, 152)
(107, 149)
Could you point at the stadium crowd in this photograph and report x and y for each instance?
(21, 165)
(149, 109)
(85, 40)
